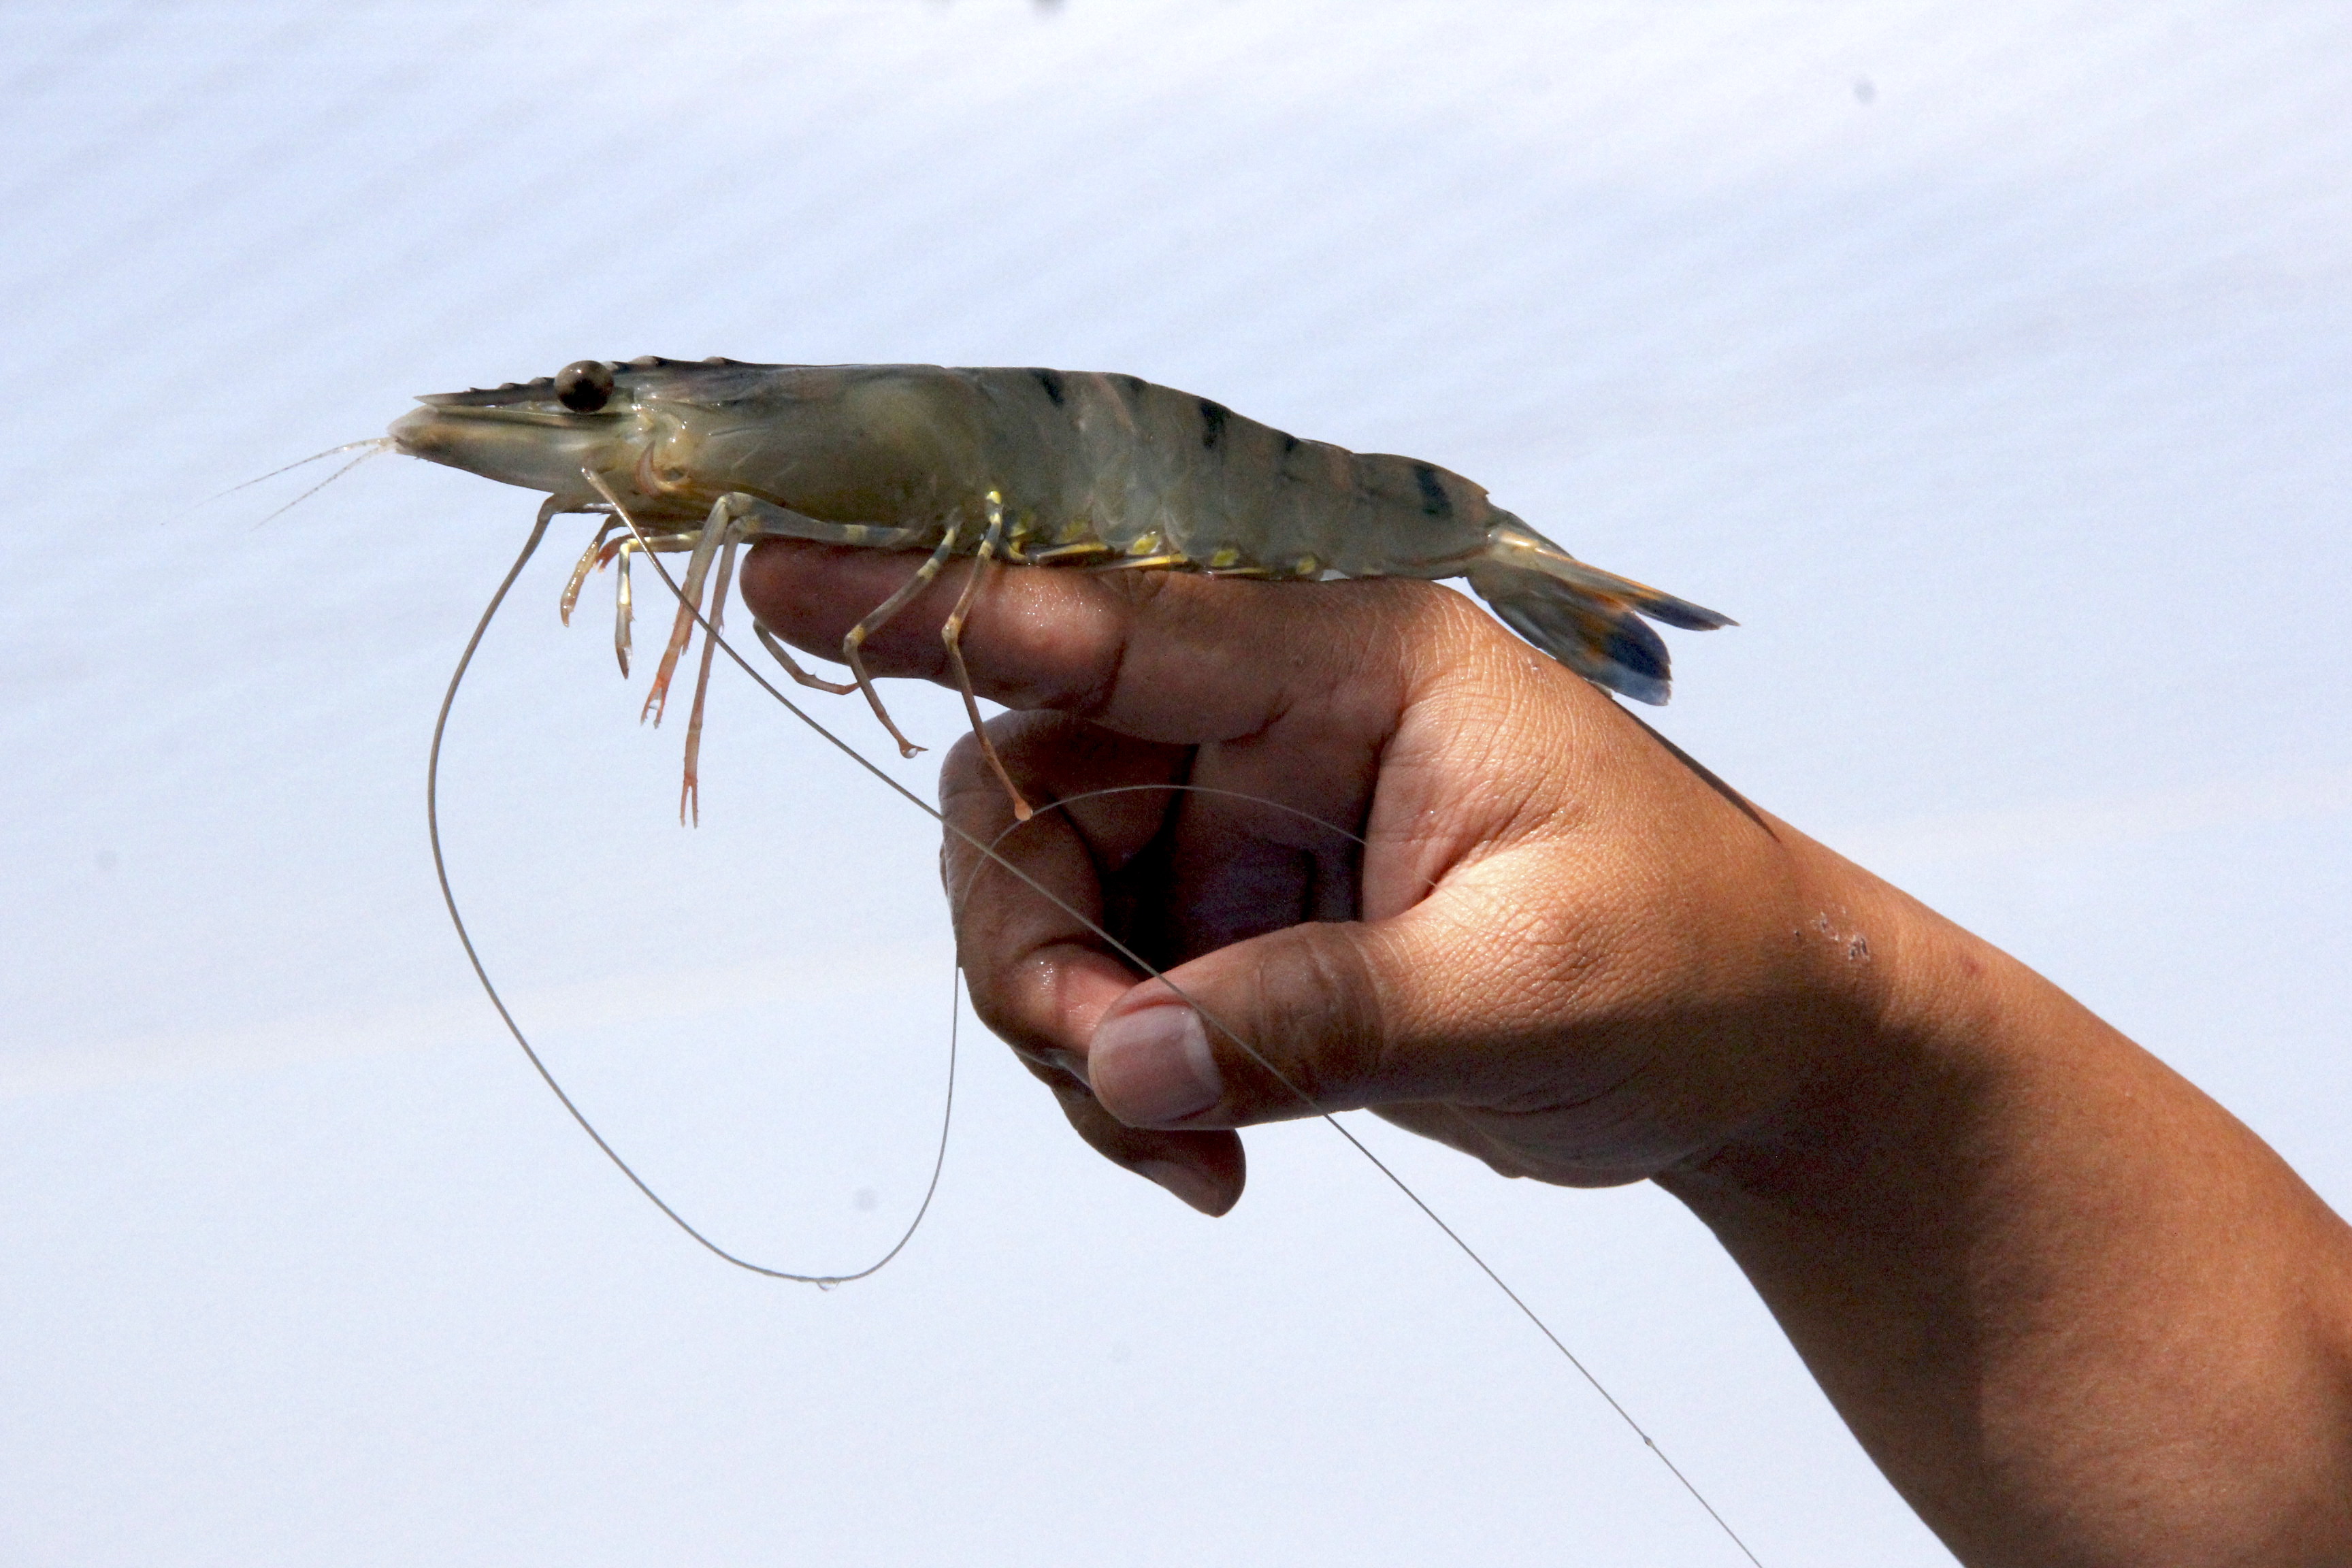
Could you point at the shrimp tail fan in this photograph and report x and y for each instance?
(1590, 620)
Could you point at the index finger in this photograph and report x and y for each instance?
(1171, 657)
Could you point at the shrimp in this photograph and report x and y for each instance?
(1023, 467)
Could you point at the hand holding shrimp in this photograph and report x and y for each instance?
(1981, 1215)
(1110, 473)
(2076, 1311)
(1580, 950)
(1467, 762)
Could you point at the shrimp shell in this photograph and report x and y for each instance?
(1029, 467)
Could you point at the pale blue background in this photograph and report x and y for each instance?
(1990, 362)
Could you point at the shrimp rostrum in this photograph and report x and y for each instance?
(1030, 467)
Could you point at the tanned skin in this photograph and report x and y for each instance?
(2076, 1311)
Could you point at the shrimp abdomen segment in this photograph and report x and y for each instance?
(1151, 471)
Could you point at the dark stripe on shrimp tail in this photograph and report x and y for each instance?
(1600, 636)
(1050, 380)
(1212, 422)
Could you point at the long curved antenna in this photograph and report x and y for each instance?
(995, 857)
(547, 513)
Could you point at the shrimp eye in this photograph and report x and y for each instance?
(583, 385)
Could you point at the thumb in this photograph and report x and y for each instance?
(1282, 1025)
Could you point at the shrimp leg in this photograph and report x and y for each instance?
(735, 517)
(769, 521)
(623, 605)
(588, 562)
(793, 666)
(879, 617)
(781, 522)
(689, 795)
(951, 634)
(689, 600)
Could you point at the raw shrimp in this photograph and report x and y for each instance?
(1032, 468)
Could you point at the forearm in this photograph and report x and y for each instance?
(2076, 1311)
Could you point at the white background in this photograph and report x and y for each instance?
(1989, 362)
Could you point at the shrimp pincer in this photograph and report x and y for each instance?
(1020, 466)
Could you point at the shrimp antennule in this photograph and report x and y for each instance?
(374, 446)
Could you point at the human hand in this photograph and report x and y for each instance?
(1980, 1214)
(1563, 947)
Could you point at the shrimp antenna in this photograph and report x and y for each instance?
(373, 446)
(547, 513)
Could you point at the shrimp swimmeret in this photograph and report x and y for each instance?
(1031, 467)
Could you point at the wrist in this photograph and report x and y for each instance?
(1905, 1019)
